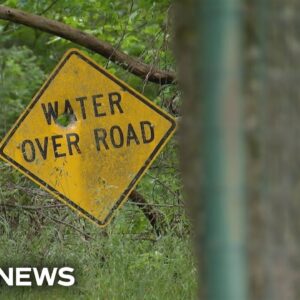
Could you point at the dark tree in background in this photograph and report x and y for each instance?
(271, 93)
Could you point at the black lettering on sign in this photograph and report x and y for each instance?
(100, 136)
(97, 105)
(131, 135)
(114, 100)
(82, 106)
(50, 112)
(116, 132)
(57, 145)
(147, 134)
(29, 156)
(43, 148)
(73, 140)
(69, 109)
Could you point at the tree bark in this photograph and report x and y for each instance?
(274, 163)
(189, 134)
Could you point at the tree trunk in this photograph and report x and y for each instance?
(274, 162)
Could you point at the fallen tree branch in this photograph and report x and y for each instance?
(88, 41)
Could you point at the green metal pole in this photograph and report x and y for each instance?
(219, 30)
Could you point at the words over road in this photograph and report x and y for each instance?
(101, 106)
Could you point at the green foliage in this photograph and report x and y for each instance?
(20, 77)
(64, 119)
(126, 260)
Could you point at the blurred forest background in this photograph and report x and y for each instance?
(126, 260)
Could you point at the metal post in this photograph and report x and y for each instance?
(219, 30)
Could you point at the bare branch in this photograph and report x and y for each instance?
(29, 207)
(88, 41)
(158, 205)
(87, 236)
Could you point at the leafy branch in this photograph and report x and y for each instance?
(90, 42)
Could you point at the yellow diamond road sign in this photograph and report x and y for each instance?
(87, 137)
